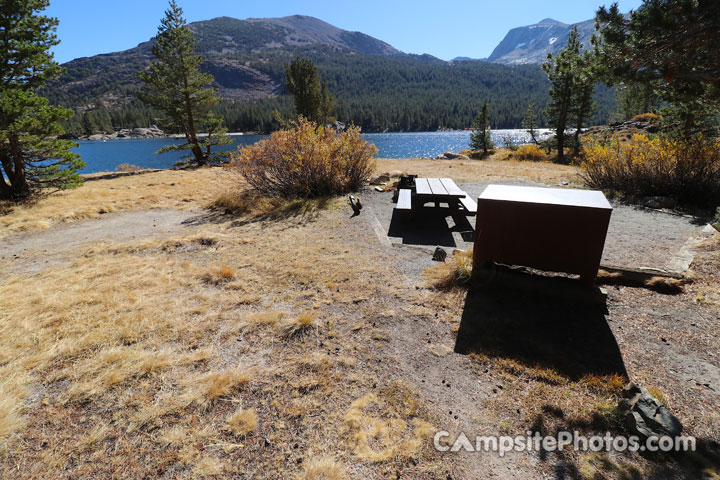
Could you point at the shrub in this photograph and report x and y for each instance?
(687, 171)
(646, 117)
(717, 219)
(127, 168)
(509, 143)
(530, 152)
(307, 161)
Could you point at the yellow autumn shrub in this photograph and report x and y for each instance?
(688, 171)
(530, 152)
(306, 161)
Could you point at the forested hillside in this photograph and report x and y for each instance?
(377, 87)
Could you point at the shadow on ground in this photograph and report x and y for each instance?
(300, 210)
(430, 227)
(551, 322)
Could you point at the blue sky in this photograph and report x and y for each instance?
(447, 29)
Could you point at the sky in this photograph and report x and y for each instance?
(445, 29)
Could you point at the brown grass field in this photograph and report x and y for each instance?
(264, 344)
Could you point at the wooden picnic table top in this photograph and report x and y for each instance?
(438, 187)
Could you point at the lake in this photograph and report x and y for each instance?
(105, 156)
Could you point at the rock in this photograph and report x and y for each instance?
(395, 173)
(140, 131)
(659, 202)
(97, 136)
(338, 126)
(380, 179)
(439, 255)
(645, 415)
(452, 156)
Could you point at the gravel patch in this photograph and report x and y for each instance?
(34, 252)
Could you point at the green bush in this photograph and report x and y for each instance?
(306, 161)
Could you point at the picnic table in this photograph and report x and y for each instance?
(435, 191)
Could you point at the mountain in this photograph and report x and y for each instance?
(228, 45)
(532, 43)
(377, 86)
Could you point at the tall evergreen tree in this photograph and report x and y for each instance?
(583, 105)
(31, 156)
(530, 123)
(480, 136)
(562, 71)
(179, 90)
(310, 92)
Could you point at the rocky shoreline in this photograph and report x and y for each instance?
(129, 133)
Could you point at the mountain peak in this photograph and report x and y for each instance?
(550, 20)
(532, 43)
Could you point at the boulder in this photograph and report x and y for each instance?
(395, 173)
(439, 255)
(380, 179)
(659, 202)
(645, 415)
(452, 156)
(141, 132)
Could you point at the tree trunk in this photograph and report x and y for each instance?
(576, 147)
(190, 132)
(5, 191)
(199, 156)
(14, 169)
(560, 134)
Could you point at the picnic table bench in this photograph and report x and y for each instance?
(436, 191)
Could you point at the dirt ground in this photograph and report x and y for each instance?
(176, 338)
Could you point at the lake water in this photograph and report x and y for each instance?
(105, 156)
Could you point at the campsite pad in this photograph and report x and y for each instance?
(637, 237)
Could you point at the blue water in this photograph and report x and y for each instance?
(105, 156)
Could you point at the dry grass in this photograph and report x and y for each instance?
(206, 388)
(219, 274)
(387, 425)
(323, 469)
(242, 422)
(137, 366)
(299, 325)
(455, 273)
(99, 196)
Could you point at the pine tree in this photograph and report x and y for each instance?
(562, 71)
(530, 123)
(310, 92)
(480, 136)
(582, 98)
(179, 90)
(634, 98)
(670, 45)
(31, 155)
